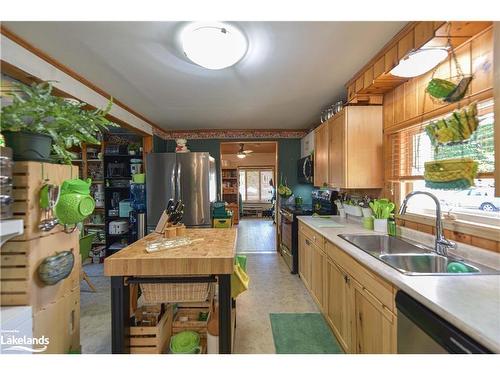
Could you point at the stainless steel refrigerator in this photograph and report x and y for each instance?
(189, 177)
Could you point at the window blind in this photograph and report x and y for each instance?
(411, 147)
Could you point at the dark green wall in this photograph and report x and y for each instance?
(288, 155)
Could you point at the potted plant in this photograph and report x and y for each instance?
(38, 123)
(133, 149)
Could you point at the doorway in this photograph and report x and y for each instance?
(248, 180)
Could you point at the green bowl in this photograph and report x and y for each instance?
(185, 342)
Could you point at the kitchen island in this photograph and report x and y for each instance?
(209, 259)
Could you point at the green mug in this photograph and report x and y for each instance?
(75, 203)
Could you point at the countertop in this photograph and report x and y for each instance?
(212, 254)
(469, 302)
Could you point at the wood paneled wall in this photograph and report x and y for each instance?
(408, 104)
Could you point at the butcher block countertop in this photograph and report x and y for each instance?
(213, 255)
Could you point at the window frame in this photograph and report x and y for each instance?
(400, 185)
(254, 169)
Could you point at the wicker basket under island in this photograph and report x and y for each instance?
(55, 308)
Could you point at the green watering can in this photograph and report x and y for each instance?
(75, 203)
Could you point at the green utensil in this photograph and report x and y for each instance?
(44, 197)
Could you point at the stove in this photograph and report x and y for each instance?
(289, 225)
(289, 229)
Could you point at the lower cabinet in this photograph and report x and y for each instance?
(305, 259)
(318, 275)
(358, 318)
(338, 295)
(375, 325)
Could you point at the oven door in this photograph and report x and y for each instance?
(286, 237)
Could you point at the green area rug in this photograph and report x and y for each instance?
(306, 333)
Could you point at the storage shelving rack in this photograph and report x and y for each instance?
(230, 191)
(117, 153)
(90, 157)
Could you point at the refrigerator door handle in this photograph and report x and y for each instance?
(178, 185)
(172, 183)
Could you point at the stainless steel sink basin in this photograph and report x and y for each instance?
(426, 263)
(413, 259)
(377, 244)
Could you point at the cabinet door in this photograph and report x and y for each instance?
(317, 274)
(321, 155)
(336, 160)
(305, 259)
(338, 295)
(375, 325)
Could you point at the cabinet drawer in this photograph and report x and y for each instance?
(314, 236)
(378, 287)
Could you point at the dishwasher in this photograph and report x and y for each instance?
(421, 331)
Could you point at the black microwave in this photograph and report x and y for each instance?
(305, 170)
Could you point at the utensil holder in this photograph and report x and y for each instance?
(174, 231)
(380, 225)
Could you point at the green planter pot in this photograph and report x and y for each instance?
(29, 146)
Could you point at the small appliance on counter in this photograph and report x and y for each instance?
(323, 201)
(118, 227)
(305, 170)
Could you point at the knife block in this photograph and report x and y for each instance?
(174, 231)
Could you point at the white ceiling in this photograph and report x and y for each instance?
(290, 72)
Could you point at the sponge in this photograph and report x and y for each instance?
(455, 267)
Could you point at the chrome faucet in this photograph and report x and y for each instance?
(441, 244)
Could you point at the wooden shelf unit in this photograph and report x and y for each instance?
(230, 191)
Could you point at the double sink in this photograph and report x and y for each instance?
(413, 259)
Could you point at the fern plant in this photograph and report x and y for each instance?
(36, 110)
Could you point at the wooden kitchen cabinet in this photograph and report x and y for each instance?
(406, 44)
(375, 330)
(318, 259)
(305, 258)
(357, 303)
(338, 295)
(321, 155)
(355, 159)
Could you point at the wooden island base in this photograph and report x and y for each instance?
(214, 256)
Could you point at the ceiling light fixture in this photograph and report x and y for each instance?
(241, 155)
(419, 62)
(213, 45)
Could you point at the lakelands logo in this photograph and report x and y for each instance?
(11, 341)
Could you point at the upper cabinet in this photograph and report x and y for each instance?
(355, 148)
(321, 139)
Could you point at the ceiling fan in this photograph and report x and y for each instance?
(242, 153)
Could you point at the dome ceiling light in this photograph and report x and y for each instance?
(419, 62)
(213, 45)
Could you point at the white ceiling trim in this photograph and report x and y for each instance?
(27, 61)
